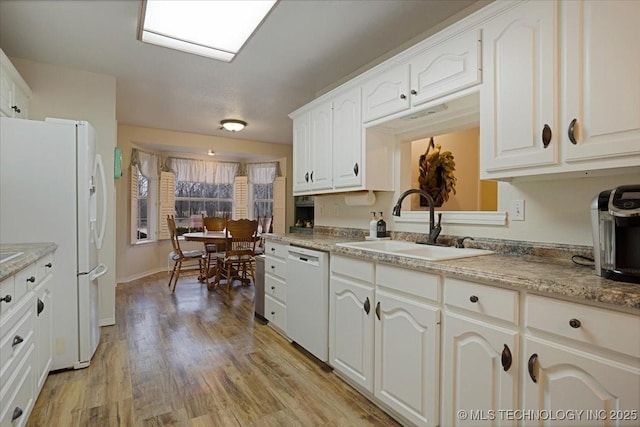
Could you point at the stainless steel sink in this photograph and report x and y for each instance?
(6, 256)
(415, 250)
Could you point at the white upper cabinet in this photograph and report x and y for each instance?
(601, 79)
(347, 140)
(518, 101)
(14, 92)
(561, 88)
(447, 67)
(312, 148)
(386, 93)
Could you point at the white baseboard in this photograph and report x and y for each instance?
(140, 275)
(107, 321)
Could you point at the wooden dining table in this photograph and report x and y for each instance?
(218, 238)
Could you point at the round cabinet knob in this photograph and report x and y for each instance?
(473, 298)
(48, 265)
(273, 313)
(403, 96)
(273, 288)
(6, 298)
(413, 92)
(574, 323)
(31, 279)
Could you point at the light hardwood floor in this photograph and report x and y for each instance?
(197, 358)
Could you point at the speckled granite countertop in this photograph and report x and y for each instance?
(31, 252)
(557, 276)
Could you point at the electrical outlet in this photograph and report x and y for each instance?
(517, 210)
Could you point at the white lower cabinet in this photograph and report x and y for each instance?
(25, 339)
(384, 341)
(480, 372)
(275, 282)
(351, 320)
(433, 350)
(561, 379)
(407, 349)
(581, 358)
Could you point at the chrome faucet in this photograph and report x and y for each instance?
(434, 229)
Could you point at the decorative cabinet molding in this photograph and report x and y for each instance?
(447, 67)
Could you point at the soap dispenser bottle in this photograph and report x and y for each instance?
(373, 226)
(381, 227)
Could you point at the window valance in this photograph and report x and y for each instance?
(148, 164)
(262, 173)
(190, 170)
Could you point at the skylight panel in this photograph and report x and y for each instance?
(216, 29)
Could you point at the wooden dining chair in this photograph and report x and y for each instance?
(239, 256)
(265, 222)
(179, 256)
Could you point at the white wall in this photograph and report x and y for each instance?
(556, 211)
(72, 94)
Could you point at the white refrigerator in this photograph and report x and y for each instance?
(52, 189)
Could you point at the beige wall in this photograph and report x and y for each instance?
(72, 94)
(134, 261)
(471, 194)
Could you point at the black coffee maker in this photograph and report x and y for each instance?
(615, 218)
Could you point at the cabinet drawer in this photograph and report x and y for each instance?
(17, 398)
(275, 266)
(482, 299)
(275, 249)
(604, 328)
(416, 283)
(25, 279)
(351, 267)
(275, 287)
(276, 313)
(44, 268)
(7, 288)
(17, 339)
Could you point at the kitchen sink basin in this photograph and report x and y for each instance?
(6, 256)
(415, 250)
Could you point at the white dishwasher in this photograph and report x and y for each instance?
(308, 300)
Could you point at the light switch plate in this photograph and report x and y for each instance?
(517, 210)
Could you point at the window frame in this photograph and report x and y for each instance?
(152, 208)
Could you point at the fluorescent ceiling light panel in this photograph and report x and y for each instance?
(215, 29)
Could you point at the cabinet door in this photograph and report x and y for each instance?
(321, 147)
(407, 357)
(44, 331)
(518, 99)
(301, 144)
(6, 88)
(386, 94)
(448, 67)
(601, 79)
(347, 140)
(566, 379)
(480, 372)
(351, 315)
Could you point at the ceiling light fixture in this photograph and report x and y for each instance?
(215, 29)
(232, 125)
(211, 153)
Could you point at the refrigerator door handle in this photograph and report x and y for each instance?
(97, 272)
(100, 168)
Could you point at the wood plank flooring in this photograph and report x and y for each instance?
(197, 358)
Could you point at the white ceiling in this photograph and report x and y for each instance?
(302, 49)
